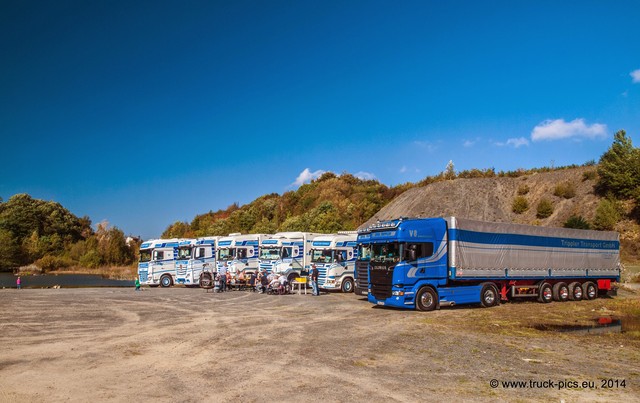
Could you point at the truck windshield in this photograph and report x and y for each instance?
(226, 254)
(364, 252)
(321, 255)
(184, 253)
(145, 255)
(272, 253)
(387, 252)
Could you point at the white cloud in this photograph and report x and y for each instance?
(468, 143)
(520, 141)
(559, 129)
(635, 76)
(513, 142)
(365, 176)
(403, 169)
(425, 144)
(307, 176)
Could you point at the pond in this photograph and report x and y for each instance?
(605, 324)
(8, 280)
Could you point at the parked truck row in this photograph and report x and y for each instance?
(195, 262)
(416, 263)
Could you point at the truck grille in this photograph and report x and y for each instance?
(362, 272)
(381, 278)
(322, 275)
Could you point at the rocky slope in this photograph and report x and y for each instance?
(491, 199)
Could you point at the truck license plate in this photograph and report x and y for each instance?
(380, 302)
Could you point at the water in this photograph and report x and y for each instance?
(8, 280)
(601, 325)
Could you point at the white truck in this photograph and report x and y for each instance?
(195, 256)
(287, 253)
(157, 265)
(239, 252)
(335, 257)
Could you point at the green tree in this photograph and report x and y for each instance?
(607, 215)
(619, 168)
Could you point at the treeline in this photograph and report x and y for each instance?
(47, 234)
(343, 202)
(328, 204)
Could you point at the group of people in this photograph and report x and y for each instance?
(261, 281)
(258, 282)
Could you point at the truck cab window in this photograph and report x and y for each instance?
(415, 251)
(200, 253)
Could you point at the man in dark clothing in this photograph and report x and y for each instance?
(314, 280)
(252, 281)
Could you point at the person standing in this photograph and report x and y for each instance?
(19, 282)
(137, 284)
(223, 276)
(314, 280)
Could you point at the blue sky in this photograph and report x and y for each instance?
(148, 112)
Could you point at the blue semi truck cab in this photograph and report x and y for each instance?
(426, 263)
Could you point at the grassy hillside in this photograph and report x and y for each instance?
(328, 204)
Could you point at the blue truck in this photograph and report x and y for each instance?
(426, 263)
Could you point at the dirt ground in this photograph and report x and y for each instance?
(179, 344)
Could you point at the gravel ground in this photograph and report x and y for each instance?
(179, 344)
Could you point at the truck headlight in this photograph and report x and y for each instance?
(398, 293)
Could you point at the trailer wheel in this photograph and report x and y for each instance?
(165, 281)
(545, 293)
(347, 285)
(589, 290)
(560, 292)
(426, 299)
(489, 295)
(575, 291)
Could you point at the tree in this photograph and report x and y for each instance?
(449, 172)
(607, 215)
(619, 168)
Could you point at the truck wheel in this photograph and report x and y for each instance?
(589, 290)
(206, 280)
(489, 295)
(347, 285)
(546, 293)
(575, 291)
(560, 292)
(165, 281)
(426, 299)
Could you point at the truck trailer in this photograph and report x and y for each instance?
(426, 263)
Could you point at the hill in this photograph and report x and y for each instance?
(491, 199)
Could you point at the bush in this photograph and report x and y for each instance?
(589, 176)
(50, 262)
(607, 215)
(520, 205)
(566, 190)
(545, 209)
(523, 190)
(577, 222)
